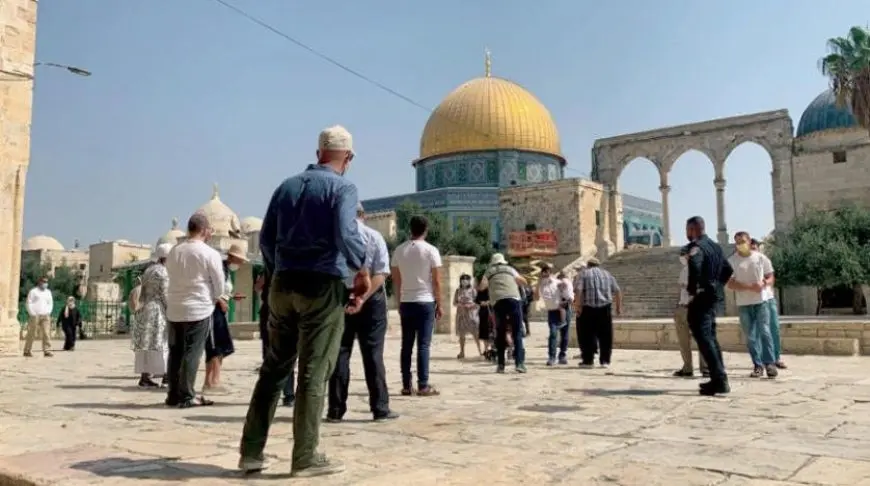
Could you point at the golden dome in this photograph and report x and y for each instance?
(490, 114)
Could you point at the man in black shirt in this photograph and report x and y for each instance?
(708, 270)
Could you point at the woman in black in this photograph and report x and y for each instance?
(69, 320)
(483, 327)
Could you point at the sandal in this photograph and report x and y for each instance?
(428, 391)
(408, 392)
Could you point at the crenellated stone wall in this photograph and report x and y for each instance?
(18, 25)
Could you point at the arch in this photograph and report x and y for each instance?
(717, 139)
(691, 179)
(751, 198)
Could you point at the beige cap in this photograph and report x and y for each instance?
(497, 259)
(335, 138)
(236, 251)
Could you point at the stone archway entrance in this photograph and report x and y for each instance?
(716, 139)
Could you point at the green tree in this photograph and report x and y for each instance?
(824, 249)
(848, 67)
(63, 283)
(473, 240)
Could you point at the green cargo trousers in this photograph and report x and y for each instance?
(306, 310)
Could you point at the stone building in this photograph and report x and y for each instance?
(48, 251)
(487, 135)
(106, 255)
(18, 22)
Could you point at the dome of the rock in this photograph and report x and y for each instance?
(41, 242)
(222, 219)
(823, 114)
(490, 113)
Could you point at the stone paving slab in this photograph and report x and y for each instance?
(78, 419)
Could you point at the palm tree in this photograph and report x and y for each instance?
(848, 67)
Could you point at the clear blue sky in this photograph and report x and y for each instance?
(186, 96)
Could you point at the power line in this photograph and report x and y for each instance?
(262, 23)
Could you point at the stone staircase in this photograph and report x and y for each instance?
(648, 279)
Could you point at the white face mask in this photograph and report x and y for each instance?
(233, 267)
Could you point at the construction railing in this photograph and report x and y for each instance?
(532, 243)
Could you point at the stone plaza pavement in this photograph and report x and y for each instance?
(78, 419)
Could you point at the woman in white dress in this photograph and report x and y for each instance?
(149, 323)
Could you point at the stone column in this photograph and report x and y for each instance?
(721, 227)
(666, 215)
(18, 22)
(453, 266)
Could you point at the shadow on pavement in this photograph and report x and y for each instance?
(138, 406)
(161, 469)
(126, 388)
(630, 392)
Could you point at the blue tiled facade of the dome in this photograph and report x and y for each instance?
(824, 114)
(489, 168)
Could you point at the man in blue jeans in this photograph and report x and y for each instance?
(753, 273)
(549, 290)
(416, 272)
(503, 282)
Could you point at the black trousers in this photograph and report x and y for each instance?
(186, 347)
(702, 322)
(369, 327)
(595, 330)
(69, 336)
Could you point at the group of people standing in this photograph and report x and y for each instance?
(705, 274)
(180, 313)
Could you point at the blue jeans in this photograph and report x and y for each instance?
(509, 314)
(755, 321)
(558, 329)
(418, 323)
(774, 328)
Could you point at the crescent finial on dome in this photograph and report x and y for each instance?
(214, 191)
(487, 62)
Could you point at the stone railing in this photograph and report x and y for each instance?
(800, 335)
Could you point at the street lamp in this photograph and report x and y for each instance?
(19, 76)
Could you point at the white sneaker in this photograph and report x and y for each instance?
(604, 365)
(250, 466)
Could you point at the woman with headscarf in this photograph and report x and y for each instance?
(466, 314)
(220, 344)
(149, 323)
(69, 321)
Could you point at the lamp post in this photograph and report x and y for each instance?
(19, 76)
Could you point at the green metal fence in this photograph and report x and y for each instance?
(99, 317)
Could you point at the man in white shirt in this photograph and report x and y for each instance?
(504, 284)
(40, 304)
(753, 273)
(551, 290)
(416, 271)
(196, 282)
(681, 318)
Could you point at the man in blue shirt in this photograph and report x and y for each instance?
(310, 243)
(369, 326)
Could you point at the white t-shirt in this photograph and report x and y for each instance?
(415, 260)
(749, 270)
(196, 281)
(683, 281)
(39, 302)
(548, 289)
(567, 289)
(767, 293)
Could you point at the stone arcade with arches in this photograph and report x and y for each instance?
(716, 139)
